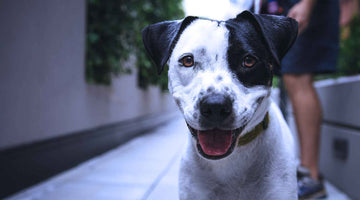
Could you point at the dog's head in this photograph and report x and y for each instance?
(220, 72)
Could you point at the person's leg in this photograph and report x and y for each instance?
(308, 115)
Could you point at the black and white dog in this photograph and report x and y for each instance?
(220, 75)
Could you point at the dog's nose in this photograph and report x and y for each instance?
(216, 107)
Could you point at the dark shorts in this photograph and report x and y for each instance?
(316, 49)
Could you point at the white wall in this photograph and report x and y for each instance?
(43, 92)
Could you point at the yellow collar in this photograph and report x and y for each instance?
(251, 135)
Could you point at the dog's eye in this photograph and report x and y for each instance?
(187, 61)
(249, 61)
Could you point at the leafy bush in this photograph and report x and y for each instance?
(349, 56)
(114, 32)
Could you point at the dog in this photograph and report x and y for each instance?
(220, 76)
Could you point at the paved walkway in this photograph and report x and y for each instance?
(146, 168)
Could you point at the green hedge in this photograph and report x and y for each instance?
(349, 53)
(114, 33)
(349, 56)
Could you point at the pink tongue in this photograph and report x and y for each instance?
(215, 142)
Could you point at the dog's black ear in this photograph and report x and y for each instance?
(279, 32)
(160, 39)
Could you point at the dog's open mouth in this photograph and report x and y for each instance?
(215, 143)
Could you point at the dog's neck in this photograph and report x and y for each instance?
(251, 135)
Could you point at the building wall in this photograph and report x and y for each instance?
(43, 93)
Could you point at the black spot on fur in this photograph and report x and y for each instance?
(245, 40)
(210, 89)
(266, 37)
(259, 100)
(203, 51)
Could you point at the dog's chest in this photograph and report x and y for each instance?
(235, 177)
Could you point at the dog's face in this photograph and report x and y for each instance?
(220, 72)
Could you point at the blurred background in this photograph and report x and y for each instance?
(75, 82)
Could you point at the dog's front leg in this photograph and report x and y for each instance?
(191, 185)
(194, 182)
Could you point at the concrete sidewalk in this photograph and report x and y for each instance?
(146, 168)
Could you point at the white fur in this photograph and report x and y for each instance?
(262, 169)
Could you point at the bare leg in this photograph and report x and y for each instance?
(308, 116)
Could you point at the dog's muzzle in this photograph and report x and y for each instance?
(215, 142)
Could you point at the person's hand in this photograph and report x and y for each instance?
(301, 12)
